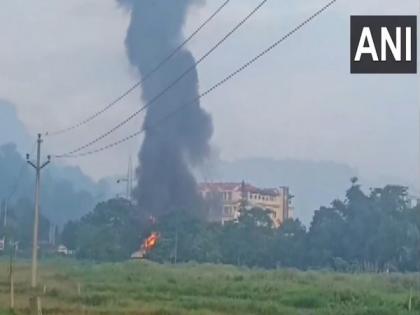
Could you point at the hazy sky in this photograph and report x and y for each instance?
(63, 60)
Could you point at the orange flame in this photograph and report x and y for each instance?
(151, 242)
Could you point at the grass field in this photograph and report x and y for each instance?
(147, 288)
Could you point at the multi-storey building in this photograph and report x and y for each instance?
(224, 200)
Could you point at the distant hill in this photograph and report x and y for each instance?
(66, 193)
(312, 183)
(13, 130)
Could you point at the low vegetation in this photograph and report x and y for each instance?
(378, 231)
(142, 287)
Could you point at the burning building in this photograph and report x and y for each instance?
(224, 200)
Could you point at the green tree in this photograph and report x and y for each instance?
(185, 237)
(289, 244)
(325, 239)
(249, 240)
(110, 233)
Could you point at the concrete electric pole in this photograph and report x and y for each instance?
(5, 213)
(13, 249)
(38, 167)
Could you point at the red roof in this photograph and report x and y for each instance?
(238, 187)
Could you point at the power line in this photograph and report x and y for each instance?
(170, 86)
(144, 78)
(214, 87)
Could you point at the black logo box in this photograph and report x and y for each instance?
(375, 23)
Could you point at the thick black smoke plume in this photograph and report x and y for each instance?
(165, 181)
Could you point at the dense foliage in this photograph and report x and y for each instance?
(111, 232)
(371, 232)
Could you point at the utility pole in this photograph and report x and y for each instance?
(130, 178)
(38, 167)
(176, 238)
(13, 248)
(5, 213)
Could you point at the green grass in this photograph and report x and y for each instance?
(151, 289)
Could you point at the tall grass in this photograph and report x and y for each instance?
(147, 288)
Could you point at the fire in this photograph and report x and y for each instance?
(148, 244)
(151, 242)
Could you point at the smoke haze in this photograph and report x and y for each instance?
(165, 181)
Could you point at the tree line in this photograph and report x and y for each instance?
(375, 231)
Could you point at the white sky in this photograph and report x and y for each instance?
(60, 61)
